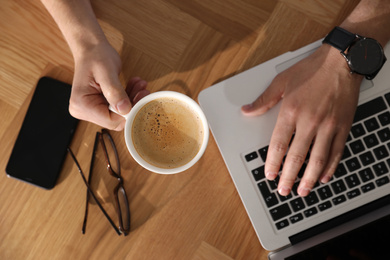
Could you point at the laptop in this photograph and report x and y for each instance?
(357, 195)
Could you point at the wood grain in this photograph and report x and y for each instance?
(184, 46)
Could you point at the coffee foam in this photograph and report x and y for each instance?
(167, 133)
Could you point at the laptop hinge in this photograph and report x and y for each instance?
(334, 222)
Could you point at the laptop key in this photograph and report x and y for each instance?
(371, 124)
(263, 153)
(298, 217)
(384, 118)
(346, 153)
(366, 174)
(381, 152)
(282, 224)
(339, 199)
(258, 173)
(338, 186)
(353, 164)
(368, 187)
(324, 192)
(367, 158)
(387, 96)
(371, 140)
(284, 198)
(274, 183)
(311, 199)
(280, 212)
(295, 188)
(382, 181)
(297, 204)
(310, 212)
(380, 169)
(384, 134)
(353, 193)
(324, 206)
(340, 170)
(251, 156)
(352, 180)
(269, 198)
(357, 146)
(358, 130)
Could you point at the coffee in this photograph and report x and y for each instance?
(167, 133)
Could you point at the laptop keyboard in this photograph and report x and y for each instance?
(365, 166)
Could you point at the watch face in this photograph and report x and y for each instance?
(365, 56)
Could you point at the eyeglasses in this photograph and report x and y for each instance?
(113, 167)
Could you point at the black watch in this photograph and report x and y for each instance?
(364, 56)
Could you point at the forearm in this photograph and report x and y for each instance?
(77, 22)
(370, 18)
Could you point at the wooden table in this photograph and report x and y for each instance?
(178, 45)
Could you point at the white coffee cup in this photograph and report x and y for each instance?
(134, 112)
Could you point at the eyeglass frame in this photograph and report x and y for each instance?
(119, 187)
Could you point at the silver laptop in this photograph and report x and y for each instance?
(360, 187)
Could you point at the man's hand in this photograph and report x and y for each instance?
(96, 85)
(319, 99)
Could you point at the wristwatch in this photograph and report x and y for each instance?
(364, 55)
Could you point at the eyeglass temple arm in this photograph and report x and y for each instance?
(89, 181)
(91, 192)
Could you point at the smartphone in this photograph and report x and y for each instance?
(47, 129)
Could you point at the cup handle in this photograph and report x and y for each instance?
(112, 109)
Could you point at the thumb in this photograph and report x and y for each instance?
(269, 98)
(116, 95)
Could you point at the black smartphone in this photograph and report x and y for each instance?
(47, 129)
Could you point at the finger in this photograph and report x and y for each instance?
(92, 107)
(278, 146)
(269, 98)
(296, 156)
(114, 92)
(335, 155)
(134, 86)
(140, 95)
(318, 160)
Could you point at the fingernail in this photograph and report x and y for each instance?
(325, 179)
(247, 107)
(304, 191)
(270, 175)
(142, 83)
(284, 191)
(123, 106)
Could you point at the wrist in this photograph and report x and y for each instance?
(334, 62)
(82, 43)
(333, 59)
(364, 56)
(370, 18)
(364, 30)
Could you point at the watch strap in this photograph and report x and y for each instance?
(340, 38)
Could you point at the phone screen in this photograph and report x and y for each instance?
(46, 132)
